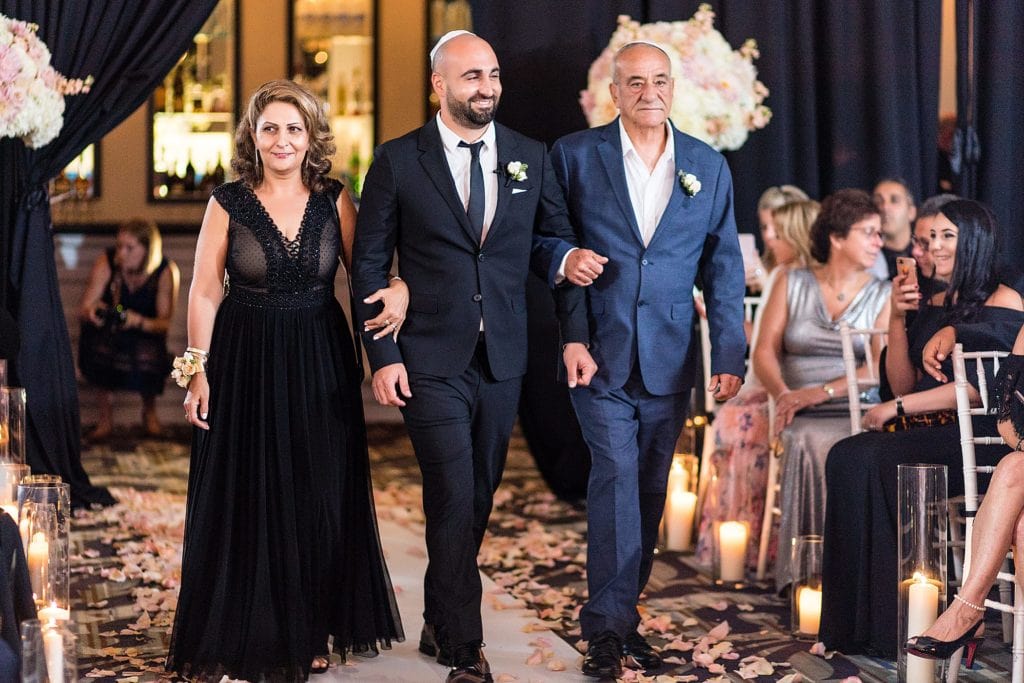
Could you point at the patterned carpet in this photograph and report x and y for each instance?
(125, 568)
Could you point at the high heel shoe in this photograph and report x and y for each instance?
(933, 648)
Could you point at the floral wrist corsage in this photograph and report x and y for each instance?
(190, 363)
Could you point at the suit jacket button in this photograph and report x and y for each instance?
(480, 256)
(478, 297)
(644, 262)
(640, 303)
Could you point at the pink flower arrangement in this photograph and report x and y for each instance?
(31, 91)
(718, 98)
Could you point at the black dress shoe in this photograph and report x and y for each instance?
(636, 648)
(604, 656)
(429, 645)
(469, 664)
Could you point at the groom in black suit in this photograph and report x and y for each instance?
(470, 206)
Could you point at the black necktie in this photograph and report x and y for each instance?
(475, 210)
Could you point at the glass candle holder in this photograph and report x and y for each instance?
(12, 424)
(11, 476)
(680, 503)
(49, 651)
(806, 588)
(45, 521)
(922, 547)
(730, 552)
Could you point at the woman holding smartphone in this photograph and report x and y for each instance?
(859, 607)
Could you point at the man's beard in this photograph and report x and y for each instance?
(465, 115)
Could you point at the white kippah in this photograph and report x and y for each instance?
(638, 41)
(445, 38)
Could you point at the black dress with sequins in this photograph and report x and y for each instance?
(281, 542)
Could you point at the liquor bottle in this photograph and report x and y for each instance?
(179, 89)
(175, 183)
(354, 166)
(218, 172)
(160, 176)
(190, 175)
(358, 92)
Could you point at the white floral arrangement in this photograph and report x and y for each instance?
(718, 98)
(31, 91)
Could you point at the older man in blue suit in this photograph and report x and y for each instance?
(658, 204)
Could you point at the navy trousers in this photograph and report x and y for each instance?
(631, 434)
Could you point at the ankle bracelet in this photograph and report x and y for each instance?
(976, 608)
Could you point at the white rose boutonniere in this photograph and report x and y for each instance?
(515, 170)
(689, 182)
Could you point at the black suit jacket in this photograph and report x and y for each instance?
(409, 202)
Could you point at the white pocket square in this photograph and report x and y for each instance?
(517, 190)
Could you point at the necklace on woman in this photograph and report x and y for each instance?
(840, 293)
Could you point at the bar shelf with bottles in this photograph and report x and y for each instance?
(193, 114)
(333, 54)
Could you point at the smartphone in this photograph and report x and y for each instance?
(905, 265)
(752, 265)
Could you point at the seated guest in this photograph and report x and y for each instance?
(896, 204)
(741, 423)
(771, 199)
(126, 310)
(998, 525)
(859, 611)
(798, 355)
(926, 214)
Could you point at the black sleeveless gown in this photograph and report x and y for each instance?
(281, 542)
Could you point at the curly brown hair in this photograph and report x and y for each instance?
(317, 163)
(839, 211)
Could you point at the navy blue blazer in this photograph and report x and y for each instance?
(642, 305)
(409, 202)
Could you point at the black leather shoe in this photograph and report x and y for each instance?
(469, 664)
(604, 656)
(429, 645)
(637, 649)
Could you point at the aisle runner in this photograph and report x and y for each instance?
(126, 567)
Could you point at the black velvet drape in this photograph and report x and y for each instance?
(854, 91)
(1000, 118)
(128, 46)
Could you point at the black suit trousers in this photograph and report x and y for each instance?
(460, 428)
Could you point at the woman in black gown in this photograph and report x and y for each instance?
(859, 600)
(281, 543)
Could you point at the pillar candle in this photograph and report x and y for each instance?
(23, 528)
(732, 551)
(922, 610)
(38, 559)
(54, 613)
(808, 604)
(679, 519)
(678, 477)
(53, 650)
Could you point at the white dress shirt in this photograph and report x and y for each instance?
(458, 162)
(649, 191)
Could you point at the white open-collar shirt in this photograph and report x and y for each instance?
(649, 191)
